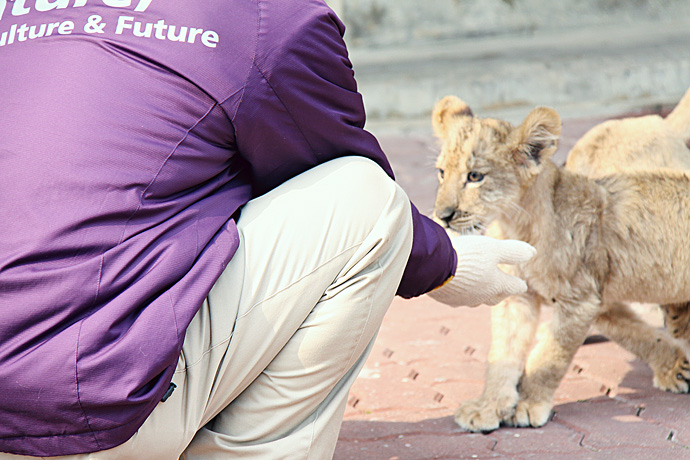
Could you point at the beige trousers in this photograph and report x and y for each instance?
(268, 361)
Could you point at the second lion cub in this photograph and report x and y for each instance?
(601, 243)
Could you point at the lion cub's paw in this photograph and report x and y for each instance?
(674, 376)
(534, 414)
(477, 415)
(677, 319)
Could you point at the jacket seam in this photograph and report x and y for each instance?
(251, 66)
(76, 381)
(67, 435)
(255, 65)
(174, 314)
(165, 162)
(286, 110)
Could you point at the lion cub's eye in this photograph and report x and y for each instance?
(474, 176)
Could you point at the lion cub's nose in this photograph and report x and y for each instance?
(446, 215)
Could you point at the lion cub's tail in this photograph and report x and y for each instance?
(679, 118)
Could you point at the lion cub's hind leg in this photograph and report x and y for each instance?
(513, 325)
(677, 321)
(656, 347)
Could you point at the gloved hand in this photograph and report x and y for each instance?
(478, 280)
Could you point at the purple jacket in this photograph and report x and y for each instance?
(131, 133)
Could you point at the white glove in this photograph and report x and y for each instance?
(478, 280)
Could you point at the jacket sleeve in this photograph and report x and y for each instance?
(301, 108)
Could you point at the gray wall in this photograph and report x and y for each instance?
(582, 57)
(386, 22)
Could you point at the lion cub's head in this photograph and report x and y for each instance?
(486, 165)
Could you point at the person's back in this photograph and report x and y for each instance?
(104, 112)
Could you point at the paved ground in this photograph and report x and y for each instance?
(429, 357)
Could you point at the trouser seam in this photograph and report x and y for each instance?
(227, 339)
(359, 339)
(349, 364)
(299, 279)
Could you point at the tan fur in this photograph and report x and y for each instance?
(601, 242)
(636, 143)
(640, 144)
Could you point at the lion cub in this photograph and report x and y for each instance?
(640, 144)
(601, 242)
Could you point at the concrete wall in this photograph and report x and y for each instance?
(388, 22)
(582, 57)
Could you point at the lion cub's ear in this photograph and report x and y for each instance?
(446, 112)
(536, 138)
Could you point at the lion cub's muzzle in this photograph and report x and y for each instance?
(458, 220)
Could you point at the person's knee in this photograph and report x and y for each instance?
(370, 196)
(378, 211)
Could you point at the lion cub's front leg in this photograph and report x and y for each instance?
(513, 324)
(548, 362)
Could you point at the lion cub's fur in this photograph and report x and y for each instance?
(601, 242)
(641, 143)
(634, 144)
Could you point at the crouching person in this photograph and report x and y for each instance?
(200, 242)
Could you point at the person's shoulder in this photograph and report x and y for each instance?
(289, 21)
